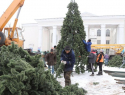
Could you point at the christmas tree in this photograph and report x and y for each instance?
(72, 33)
(22, 74)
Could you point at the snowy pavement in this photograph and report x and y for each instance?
(107, 85)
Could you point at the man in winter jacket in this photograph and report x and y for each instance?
(106, 57)
(54, 50)
(92, 59)
(100, 60)
(68, 58)
(88, 45)
(51, 60)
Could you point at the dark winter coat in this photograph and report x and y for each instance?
(51, 59)
(55, 51)
(87, 45)
(92, 57)
(69, 58)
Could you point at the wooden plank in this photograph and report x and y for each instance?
(119, 80)
(117, 74)
(123, 88)
(109, 71)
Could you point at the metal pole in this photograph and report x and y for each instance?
(18, 12)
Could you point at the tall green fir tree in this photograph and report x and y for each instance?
(72, 33)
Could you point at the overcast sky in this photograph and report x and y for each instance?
(39, 9)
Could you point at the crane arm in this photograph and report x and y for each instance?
(10, 12)
(15, 23)
(117, 47)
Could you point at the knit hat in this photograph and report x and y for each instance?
(93, 50)
(51, 50)
(89, 40)
(67, 48)
(101, 50)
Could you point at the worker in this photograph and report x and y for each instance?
(38, 52)
(54, 50)
(87, 45)
(51, 60)
(44, 58)
(92, 59)
(106, 57)
(68, 58)
(97, 52)
(100, 60)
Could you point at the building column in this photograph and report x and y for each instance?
(54, 35)
(86, 30)
(120, 34)
(117, 35)
(103, 34)
(40, 38)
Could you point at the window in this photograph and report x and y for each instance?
(107, 51)
(94, 40)
(107, 33)
(99, 32)
(98, 41)
(107, 42)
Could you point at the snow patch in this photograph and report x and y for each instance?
(107, 85)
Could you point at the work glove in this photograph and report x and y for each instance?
(46, 63)
(64, 62)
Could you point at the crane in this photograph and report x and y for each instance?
(116, 47)
(9, 34)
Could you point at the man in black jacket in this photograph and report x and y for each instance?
(92, 59)
(100, 60)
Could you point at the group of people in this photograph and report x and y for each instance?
(68, 59)
(95, 58)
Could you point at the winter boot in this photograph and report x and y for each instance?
(100, 73)
(92, 75)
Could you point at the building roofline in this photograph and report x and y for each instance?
(104, 16)
(30, 24)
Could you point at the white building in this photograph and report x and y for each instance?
(100, 29)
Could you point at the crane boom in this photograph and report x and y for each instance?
(10, 12)
(117, 47)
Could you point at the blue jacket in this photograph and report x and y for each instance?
(87, 45)
(69, 58)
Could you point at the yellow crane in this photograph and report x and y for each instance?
(118, 48)
(11, 34)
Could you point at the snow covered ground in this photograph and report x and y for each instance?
(107, 85)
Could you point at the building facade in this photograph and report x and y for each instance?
(45, 34)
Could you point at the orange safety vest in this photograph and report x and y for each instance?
(102, 59)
